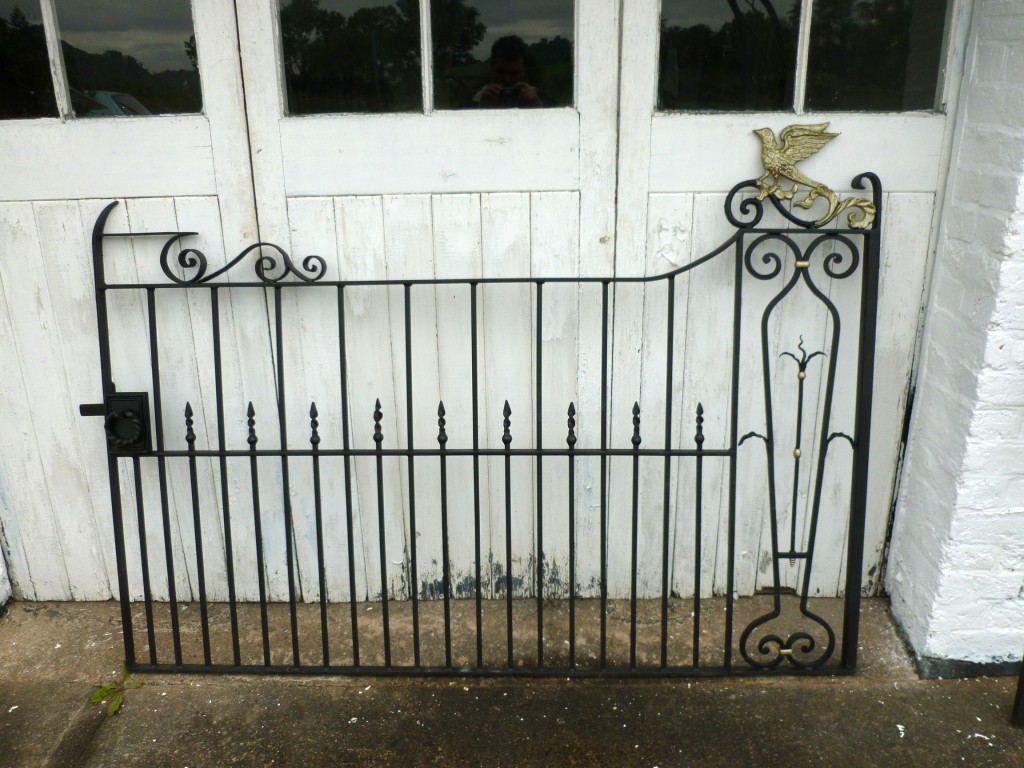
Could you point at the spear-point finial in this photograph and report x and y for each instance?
(571, 437)
(506, 437)
(699, 437)
(251, 413)
(442, 436)
(190, 436)
(314, 437)
(636, 425)
(378, 435)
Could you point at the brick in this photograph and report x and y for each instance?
(991, 147)
(993, 189)
(995, 105)
(1004, 388)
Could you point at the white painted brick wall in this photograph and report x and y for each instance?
(956, 571)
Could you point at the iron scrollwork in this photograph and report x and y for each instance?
(266, 267)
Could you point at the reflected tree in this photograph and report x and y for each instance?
(28, 88)
(747, 63)
(859, 53)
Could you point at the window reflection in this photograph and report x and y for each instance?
(27, 88)
(502, 53)
(134, 57)
(728, 54)
(351, 55)
(875, 54)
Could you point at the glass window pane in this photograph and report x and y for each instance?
(875, 54)
(351, 55)
(129, 57)
(728, 54)
(502, 53)
(26, 88)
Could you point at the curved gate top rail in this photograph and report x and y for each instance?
(479, 635)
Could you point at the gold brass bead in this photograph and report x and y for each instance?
(796, 453)
(802, 375)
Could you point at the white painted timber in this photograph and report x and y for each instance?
(880, 143)
(464, 151)
(126, 157)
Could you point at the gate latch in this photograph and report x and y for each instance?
(125, 420)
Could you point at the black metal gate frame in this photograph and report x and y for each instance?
(131, 435)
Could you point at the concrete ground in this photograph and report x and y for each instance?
(53, 655)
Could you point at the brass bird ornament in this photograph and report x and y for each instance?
(798, 143)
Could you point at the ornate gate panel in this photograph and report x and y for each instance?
(284, 557)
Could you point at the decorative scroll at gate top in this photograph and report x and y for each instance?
(377, 533)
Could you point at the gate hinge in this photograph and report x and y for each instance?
(125, 420)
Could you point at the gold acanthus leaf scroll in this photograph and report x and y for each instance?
(798, 143)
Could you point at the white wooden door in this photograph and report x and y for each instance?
(674, 171)
(56, 175)
(459, 193)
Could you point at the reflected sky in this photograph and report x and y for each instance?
(152, 31)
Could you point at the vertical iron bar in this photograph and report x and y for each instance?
(570, 440)
(413, 578)
(506, 438)
(442, 439)
(604, 474)
(539, 442)
(862, 438)
(314, 441)
(634, 563)
(112, 471)
(476, 474)
(733, 435)
(197, 529)
(378, 438)
(282, 416)
(257, 523)
(161, 464)
(224, 495)
(147, 593)
(698, 438)
(669, 351)
(349, 526)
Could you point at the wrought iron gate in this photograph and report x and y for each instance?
(575, 629)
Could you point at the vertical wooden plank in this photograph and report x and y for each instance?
(904, 270)
(636, 103)
(34, 538)
(639, 55)
(259, 42)
(68, 273)
(129, 345)
(312, 349)
(127, 324)
(555, 234)
(668, 247)
(506, 237)
(216, 29)
(597, 100)
(408, 242)
(360, 237)
(457, 254)
(707, 379)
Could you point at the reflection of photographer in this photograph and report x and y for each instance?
(507, 87)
